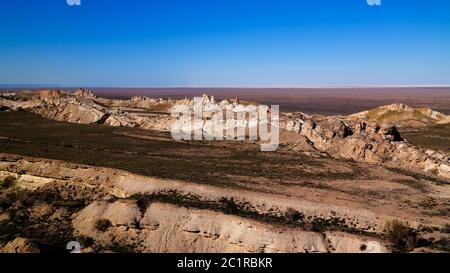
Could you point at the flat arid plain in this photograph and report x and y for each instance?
(326, 101)
(357, 170)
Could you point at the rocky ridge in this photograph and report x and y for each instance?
(363, 137)
(402, 115)
(115, 197)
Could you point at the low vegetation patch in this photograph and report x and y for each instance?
(293, 216)
(232, 206)
(102, 224)
(446, 228)
(70, 203)
(85, 241)
(442, 244)
(402, 237)
(434, 137)
(420, 176)
(120, 247)
(7, 182)
(51, 234)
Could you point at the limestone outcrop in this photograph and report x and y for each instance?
(367, 141)
(371, 136)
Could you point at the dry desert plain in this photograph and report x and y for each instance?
(357, 170)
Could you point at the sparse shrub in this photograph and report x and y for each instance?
(69, 203)
(7, 182)
(402, 237)
(425, 229)
(121, 248)
(446, 228)
(102, 224)
(136, 224)
(142, 201)
(443, 244)
(47, 196)
(363, 247)
(85, 240)
(292, 216)
(308, 226)
(228, 206)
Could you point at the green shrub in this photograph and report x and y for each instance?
(402, 237)
(102, 224)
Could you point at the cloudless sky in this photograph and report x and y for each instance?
(224, 42)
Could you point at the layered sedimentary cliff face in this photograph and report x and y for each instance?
(152, 215)
(168, 228)
(108, 209)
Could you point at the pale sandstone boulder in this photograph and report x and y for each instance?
(340, 242)
(20, 245)
(122, 213)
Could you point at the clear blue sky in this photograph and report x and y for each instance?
(224, 42)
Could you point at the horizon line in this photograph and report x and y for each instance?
(230, 86)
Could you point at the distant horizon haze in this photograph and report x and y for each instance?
(2, 86)
(326, 101)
